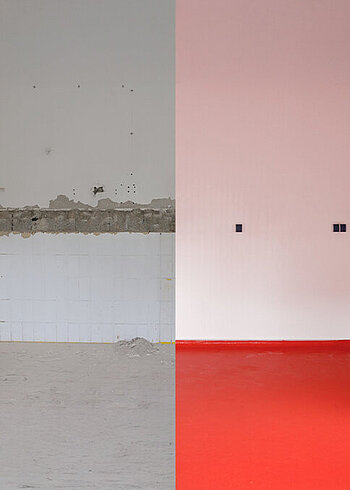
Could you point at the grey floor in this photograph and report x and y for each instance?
(88, 416)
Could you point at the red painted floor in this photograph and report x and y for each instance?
(263, 416)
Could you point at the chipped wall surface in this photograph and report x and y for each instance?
(87, 221)
(87, 288)
(63, 202)
(87, 103)
(87, 148)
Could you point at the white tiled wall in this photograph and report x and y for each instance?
(87, 288)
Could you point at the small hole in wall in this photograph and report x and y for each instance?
(35, 218)
(131, 133)
(123, 85)
(239, 228)
(34, 86)
(78, 86)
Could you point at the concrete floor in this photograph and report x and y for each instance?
(88, 416)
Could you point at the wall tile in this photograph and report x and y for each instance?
(86, 288)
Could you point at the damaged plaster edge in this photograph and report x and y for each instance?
(95, 233)
(63, 202)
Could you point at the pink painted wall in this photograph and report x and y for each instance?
(263, 139)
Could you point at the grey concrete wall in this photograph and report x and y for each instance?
(86, 102)
(87, 138)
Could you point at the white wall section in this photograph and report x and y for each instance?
(87, 288)
(263, 120)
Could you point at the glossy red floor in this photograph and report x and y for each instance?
(263, 416)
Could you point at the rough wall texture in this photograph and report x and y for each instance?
(87, 220)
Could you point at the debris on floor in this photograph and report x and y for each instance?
(137, 347)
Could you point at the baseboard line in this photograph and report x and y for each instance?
(337, 344)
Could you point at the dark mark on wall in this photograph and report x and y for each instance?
(97, 189)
